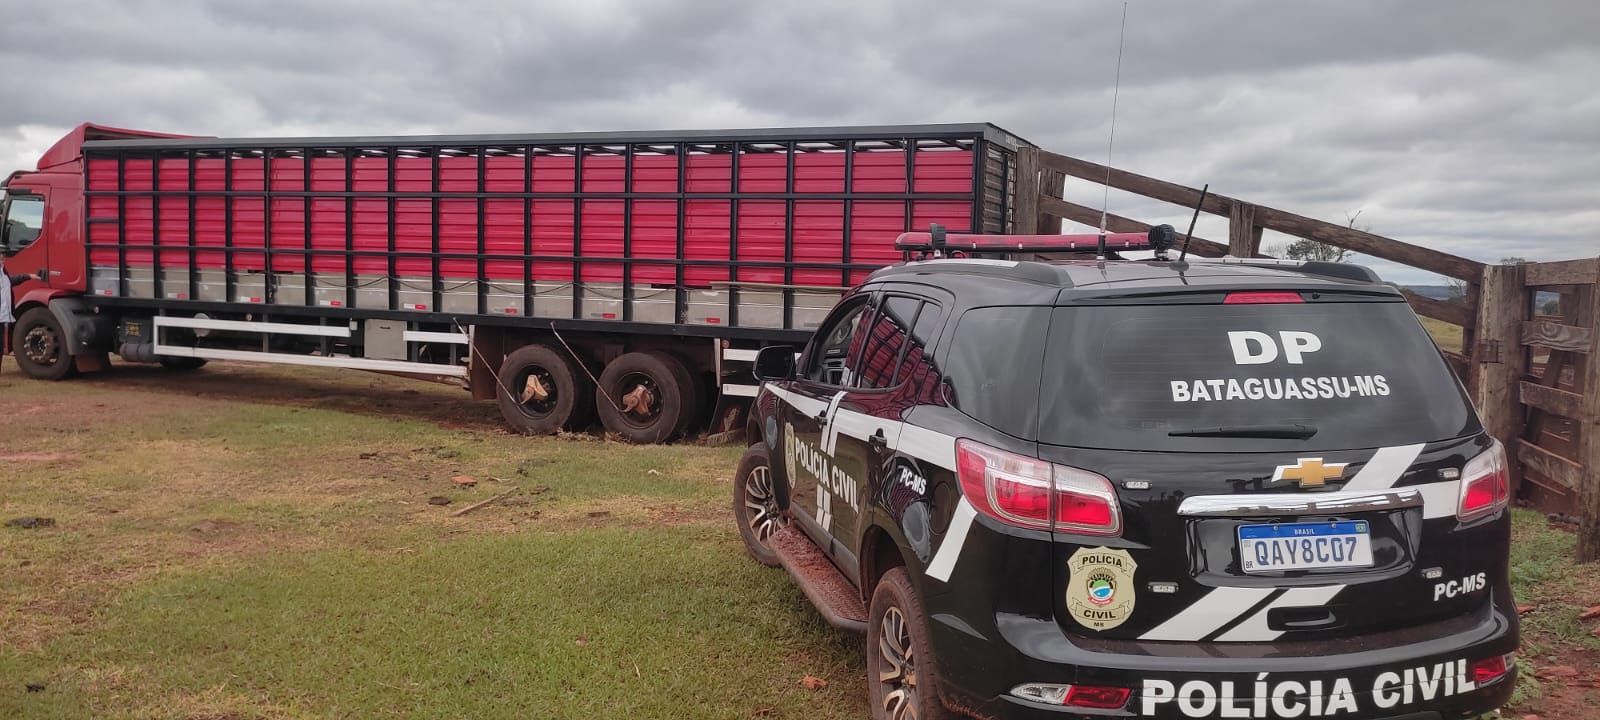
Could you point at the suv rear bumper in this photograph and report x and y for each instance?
(1405, 674)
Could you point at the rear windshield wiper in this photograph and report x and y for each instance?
(1286, 431)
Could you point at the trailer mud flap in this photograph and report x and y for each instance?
(488, 346)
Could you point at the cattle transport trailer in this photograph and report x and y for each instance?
(629, 274)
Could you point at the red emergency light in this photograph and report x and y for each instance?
(972, 243)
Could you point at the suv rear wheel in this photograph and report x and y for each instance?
(902, 675)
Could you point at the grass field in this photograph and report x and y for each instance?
(245, 543)
(1445, 335)
(249, 542)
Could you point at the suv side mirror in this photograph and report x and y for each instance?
(775, 362)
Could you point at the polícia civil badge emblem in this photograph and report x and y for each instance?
(789, 452)
(1100, 590)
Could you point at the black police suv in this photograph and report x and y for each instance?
(1214, 489)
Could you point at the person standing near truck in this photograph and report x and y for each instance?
(6, 281)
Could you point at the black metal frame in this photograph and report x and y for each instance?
(984, 141)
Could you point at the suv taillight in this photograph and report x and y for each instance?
(1485, 484)
(1031, 493)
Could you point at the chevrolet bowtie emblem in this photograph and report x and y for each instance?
(1309, 472)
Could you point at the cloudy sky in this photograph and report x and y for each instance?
(1466, 125)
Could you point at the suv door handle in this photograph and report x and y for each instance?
(878, 440)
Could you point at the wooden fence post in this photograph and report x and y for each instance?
(1469, 330)
(1026, 215)
(1244, 235)
(1498, 359)
(1051, 184)
(1589, 436)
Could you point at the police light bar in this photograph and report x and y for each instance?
(924, 242)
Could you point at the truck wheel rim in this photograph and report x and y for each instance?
(537, 406)
(41, 346)
(645, 393)
(761, 505)
(899, 672)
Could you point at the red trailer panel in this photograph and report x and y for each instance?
(471, 225)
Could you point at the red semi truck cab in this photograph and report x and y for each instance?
(43, 210)
(625, 276)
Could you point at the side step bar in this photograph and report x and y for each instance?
(835, 598)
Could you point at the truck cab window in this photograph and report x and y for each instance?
(24, 220)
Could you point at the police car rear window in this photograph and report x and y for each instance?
(1246, 377)
(993, 366)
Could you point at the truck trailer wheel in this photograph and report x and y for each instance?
(647, 397)
(41, 346)
(543, 391)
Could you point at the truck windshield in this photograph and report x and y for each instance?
(1315, 376)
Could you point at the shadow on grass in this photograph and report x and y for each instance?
(349, 391)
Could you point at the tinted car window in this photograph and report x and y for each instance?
(993, 366)
(886, 341)
(1361, 374)
(832, 361)
(916, 366)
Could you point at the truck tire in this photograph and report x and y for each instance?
(902, 676)
(646, 397)
(755, 505)
(693, 392)
(181, 364)
(543, 391)
(41, 346)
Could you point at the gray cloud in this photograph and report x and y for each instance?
(1467, 125)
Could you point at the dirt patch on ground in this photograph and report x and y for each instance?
(30, 457)
(1569, 685)
(217, 703)
(528, 508)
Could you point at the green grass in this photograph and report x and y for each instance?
(1545, 579)
(257, 543)
(1445, 335)
(618, 622)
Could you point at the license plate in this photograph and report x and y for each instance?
(1304, 546)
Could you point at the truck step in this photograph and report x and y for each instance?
(836, 599)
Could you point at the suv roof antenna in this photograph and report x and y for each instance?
(1179, 264)
(1116, 89)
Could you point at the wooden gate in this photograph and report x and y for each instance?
(1540, 386)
